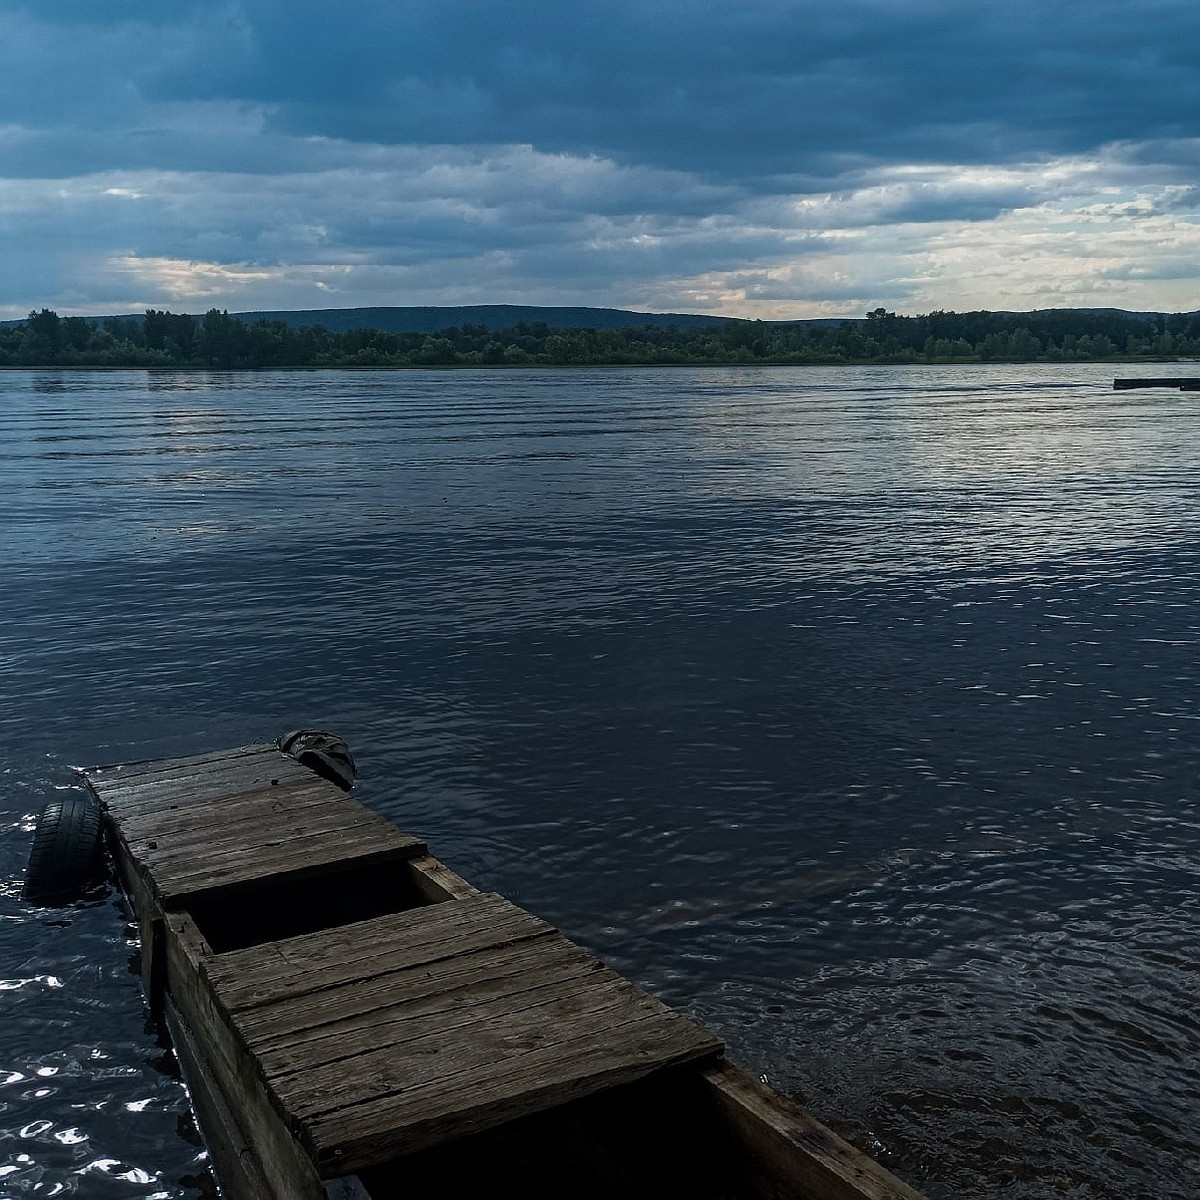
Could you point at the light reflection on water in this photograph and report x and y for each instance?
(851, 710)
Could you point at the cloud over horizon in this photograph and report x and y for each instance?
(776, 159)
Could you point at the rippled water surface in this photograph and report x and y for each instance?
(854, 712)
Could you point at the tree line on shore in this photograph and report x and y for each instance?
(217, 340)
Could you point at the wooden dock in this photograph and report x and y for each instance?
(343, 1001)
(1179, 382)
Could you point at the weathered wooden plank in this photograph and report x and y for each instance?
(250, 768)
(249, 774)
(497, 1026)
(436, 882)
(159, 802)
(791, 1154)
(396, 941)
(149, 918)
(304, 833)
(270, 803)
(190, 849)
(602, 1055)
(120, 778)
(363, 1003)
(424, 1003)
(234, 1156)
(295, 860)
(151, 766)
(477, 1043)
(286, 1163)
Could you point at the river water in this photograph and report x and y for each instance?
(852, 711)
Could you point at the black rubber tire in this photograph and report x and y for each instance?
(68, 851)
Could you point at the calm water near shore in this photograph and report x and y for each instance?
(853, 711)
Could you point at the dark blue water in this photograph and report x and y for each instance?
(853, 711)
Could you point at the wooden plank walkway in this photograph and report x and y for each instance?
(199, 825)
(1182, 383)
(395, 1034)
(445, 1013)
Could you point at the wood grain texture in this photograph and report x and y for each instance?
(154, 766)
(471, 1046)
(234, 1155)
(284, 1160)
(302, 966)
(437, 882)
(293, 862)
(317, 835)
(199, 827)
(787, 1153)
(395, 1033)
(483, 1089)
(430, 1009)
(200, 785)
(269, 803)
(300, 1026)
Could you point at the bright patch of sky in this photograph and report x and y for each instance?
(774, 158)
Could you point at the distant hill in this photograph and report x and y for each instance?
(432, 318)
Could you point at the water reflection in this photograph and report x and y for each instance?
(851, 710)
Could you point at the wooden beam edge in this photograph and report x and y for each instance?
(235, 1162)
(795, 1147)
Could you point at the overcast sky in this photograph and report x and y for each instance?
(767, 158)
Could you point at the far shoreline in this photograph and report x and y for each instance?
(440, 368)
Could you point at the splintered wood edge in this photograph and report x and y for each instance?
(289, 1168)
(796, 1151)
(203, 886)
(360, 1136)
(234, 1156)
(436, 882)
(115, 772)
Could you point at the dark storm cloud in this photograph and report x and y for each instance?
(736, 91)
(588, 151)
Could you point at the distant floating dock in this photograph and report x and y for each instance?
(356, 1020)
(1181, 383)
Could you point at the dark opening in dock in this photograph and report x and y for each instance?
(288, 906)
